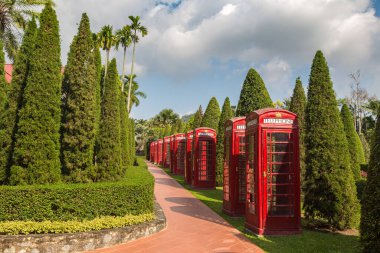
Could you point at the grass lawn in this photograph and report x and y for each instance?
(308, 241)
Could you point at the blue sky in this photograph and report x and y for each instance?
(197, 49)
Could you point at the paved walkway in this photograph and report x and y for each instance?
(192, 226)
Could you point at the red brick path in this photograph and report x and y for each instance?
(192, 226)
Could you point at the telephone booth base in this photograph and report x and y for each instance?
(262, 231)
(234, 213)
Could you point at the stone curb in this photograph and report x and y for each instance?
(85, 241)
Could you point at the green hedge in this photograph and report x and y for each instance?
(67, 202)
(57, 227)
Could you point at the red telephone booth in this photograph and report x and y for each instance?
(188, 160)
(273, 172)
(179, 153)
(159, 151)
(172, 163)
(154, 152)
(166, 152)
(204, 157)
(234, 179)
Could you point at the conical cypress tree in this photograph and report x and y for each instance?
(167, 130)
(226, 114)
(3, 87)
(80, 91)
(370, 218)
(298, 105)
(132, 141)
(109, 164)
(9, 118)
(179, 126)
(198, 118)
(254, 94)
(36, 153)
(212, 115)
(98, 64)
(330, 191)
(124, 127)
(352, 139)
(366, 147)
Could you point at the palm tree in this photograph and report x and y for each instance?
(165, 117)
(123, 38)
(14, 15)
(136, 28)
(106, 41)
(135, 93)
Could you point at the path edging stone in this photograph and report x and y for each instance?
(84, 241)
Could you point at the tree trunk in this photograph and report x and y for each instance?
(130, 79)
(123, 74)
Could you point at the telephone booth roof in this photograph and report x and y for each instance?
(167, 139)
(232, 121)
(189, 134)
(205, 130)
(160, 141)
(272, 116)
(176, 136)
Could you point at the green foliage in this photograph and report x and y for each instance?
(3, 87)
(366, 148)
(124, 131)
(254, 94)
(370, 219)
(198, 118)
(226, 114)
(64, 202)
(330, 191)
(72, 226)
(179, 126)
(212, 114)
(298, 105)
(79, 91)
(9, 119)
(132, 143)
(108, 157)
(354, 144)
(36, 153)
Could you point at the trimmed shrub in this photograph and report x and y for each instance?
(198, 118)
(79, 91)
(370, 219)
(59, 227)
(330, 191)
(226, 114)
(254, 94)
(15, 97)
(212, 114)
(63, 202)
(354, 145)
(37, 143)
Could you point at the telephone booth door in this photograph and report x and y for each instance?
(172, 162)
(273, 173)
(204, 158)
(180, 152)
(166, 153)
(159, 152)
(188, 162)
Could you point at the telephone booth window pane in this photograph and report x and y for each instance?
(280, 179)
(241, 170)
(226, 173)
(204, 163)
(251, 174)
(181, 156)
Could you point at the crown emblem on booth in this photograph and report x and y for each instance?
(278, 115)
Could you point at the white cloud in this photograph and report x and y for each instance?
(274, 36)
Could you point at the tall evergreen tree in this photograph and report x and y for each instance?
(79, 91)
(352, 138)
(298, 106)
(3, 87)
(198, 118)
(212, 115)
(132, 142)
(227, 114)
(330, 188)
(370, 218)
(36, 153)
(179, 126)
(124, 128)
(254, 94)
(9, 118)
(109, 164)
